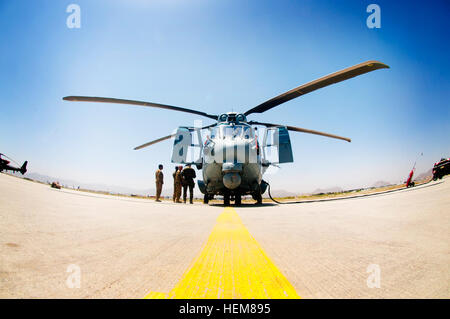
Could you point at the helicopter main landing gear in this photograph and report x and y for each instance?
(258, 198)
(226, 199)
(237, 199)
(206, 199)
(410, 184)
(257, 195)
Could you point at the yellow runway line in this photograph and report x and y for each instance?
(231, 265)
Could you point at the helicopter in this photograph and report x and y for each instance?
(4, 165)
(231, 158)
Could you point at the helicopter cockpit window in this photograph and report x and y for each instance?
(215, 132)
(236, 131)
(247, 132)
(231, 131)
(223, 118)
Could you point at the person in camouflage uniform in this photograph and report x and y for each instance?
(177, 184)
(159, 180)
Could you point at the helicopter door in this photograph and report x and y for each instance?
(183, 139)
(277, 146)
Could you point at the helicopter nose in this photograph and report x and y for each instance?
(232, 180)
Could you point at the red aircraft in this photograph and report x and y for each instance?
(409, 182)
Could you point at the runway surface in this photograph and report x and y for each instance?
(54, 241)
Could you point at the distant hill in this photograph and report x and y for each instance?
(381, 184)
(280, 193)
(335, 189)
(424, 175)
(95, 187)
(167, 191)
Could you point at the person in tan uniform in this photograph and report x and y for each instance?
(179, 182)
(159, 179)
(177, 185)
(174, 175)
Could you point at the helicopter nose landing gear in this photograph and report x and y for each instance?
(229, 197)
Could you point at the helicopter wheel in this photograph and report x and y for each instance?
(206, 199)
(226, 199)
(258, 198)
(237, 199)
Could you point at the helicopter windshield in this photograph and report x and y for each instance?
(232, 132)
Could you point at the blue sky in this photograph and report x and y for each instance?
(218, 56)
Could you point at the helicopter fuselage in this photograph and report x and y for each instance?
(231, 160)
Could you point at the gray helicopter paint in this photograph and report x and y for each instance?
(232, 163)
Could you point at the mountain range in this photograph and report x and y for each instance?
(115, 189)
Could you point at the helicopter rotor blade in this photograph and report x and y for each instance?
(154, 141)
(132, 102)
(170, 136)
(302, 130)
(336, 77)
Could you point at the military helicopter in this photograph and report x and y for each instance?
(232, 160)
(4, 165)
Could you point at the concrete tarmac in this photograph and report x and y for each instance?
(127, 248)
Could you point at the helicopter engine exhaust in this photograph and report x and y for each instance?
(232, 180)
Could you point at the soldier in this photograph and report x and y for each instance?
(180, 182)
(177, 185)
(174, 174)
(188, 175)
(159, 179)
